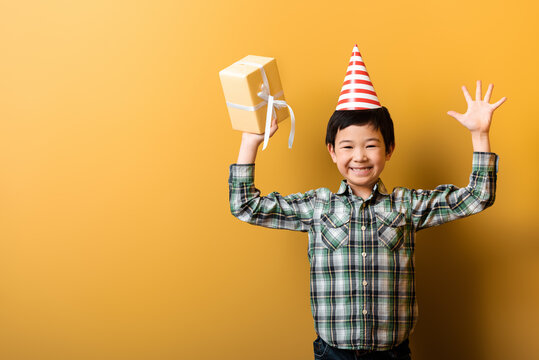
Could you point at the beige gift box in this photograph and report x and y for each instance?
(242, 84)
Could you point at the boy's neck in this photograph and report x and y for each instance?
(361, 192)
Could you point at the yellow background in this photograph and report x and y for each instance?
(116, 240)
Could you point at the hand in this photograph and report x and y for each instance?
(257, 139)
(478, 117)
(250, 142)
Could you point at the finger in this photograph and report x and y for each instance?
(466, 94)
(478, 90)
(498, 103)
(489, 92)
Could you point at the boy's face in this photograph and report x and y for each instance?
(360, 155)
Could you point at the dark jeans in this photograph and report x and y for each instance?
(322, 351)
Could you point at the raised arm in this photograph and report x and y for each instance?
(448, 202)
(292, 212)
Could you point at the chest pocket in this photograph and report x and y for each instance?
(335, 225)
(391, 228)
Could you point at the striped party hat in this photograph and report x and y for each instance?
(357, 92)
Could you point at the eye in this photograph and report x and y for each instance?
(371, 146)
(346, 147)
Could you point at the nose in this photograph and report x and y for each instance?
(360, 154)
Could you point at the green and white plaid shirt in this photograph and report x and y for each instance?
(362, 252)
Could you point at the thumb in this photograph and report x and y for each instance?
(274, 126)
(454, 114)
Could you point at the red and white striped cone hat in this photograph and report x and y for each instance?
(357, 92)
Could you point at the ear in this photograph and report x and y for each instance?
(331, 150)
(388, 155)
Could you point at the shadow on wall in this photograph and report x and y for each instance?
(449, 273)
(448, 287)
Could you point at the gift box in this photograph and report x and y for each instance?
(250, 85)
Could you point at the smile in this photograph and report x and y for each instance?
(361, 170)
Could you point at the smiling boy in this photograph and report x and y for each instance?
(362, 238)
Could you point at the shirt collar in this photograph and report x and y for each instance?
(378, 187)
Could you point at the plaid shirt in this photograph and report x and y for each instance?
(362, 252)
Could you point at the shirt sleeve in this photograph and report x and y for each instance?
(448, 202)
(292, 212)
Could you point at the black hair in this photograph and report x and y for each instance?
(379, 118)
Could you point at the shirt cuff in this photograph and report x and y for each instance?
(485, 162)
(242, 173)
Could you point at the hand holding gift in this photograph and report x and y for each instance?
(257, 139)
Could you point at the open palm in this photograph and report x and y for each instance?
(478, 117)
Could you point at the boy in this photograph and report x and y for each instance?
(362, 238)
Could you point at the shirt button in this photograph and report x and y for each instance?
(364, 312)
(364, 282)
(364, 254)
(363, 228)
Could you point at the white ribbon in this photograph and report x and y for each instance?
(273, 105)
(253, 108)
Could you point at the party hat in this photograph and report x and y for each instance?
(357, 92)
